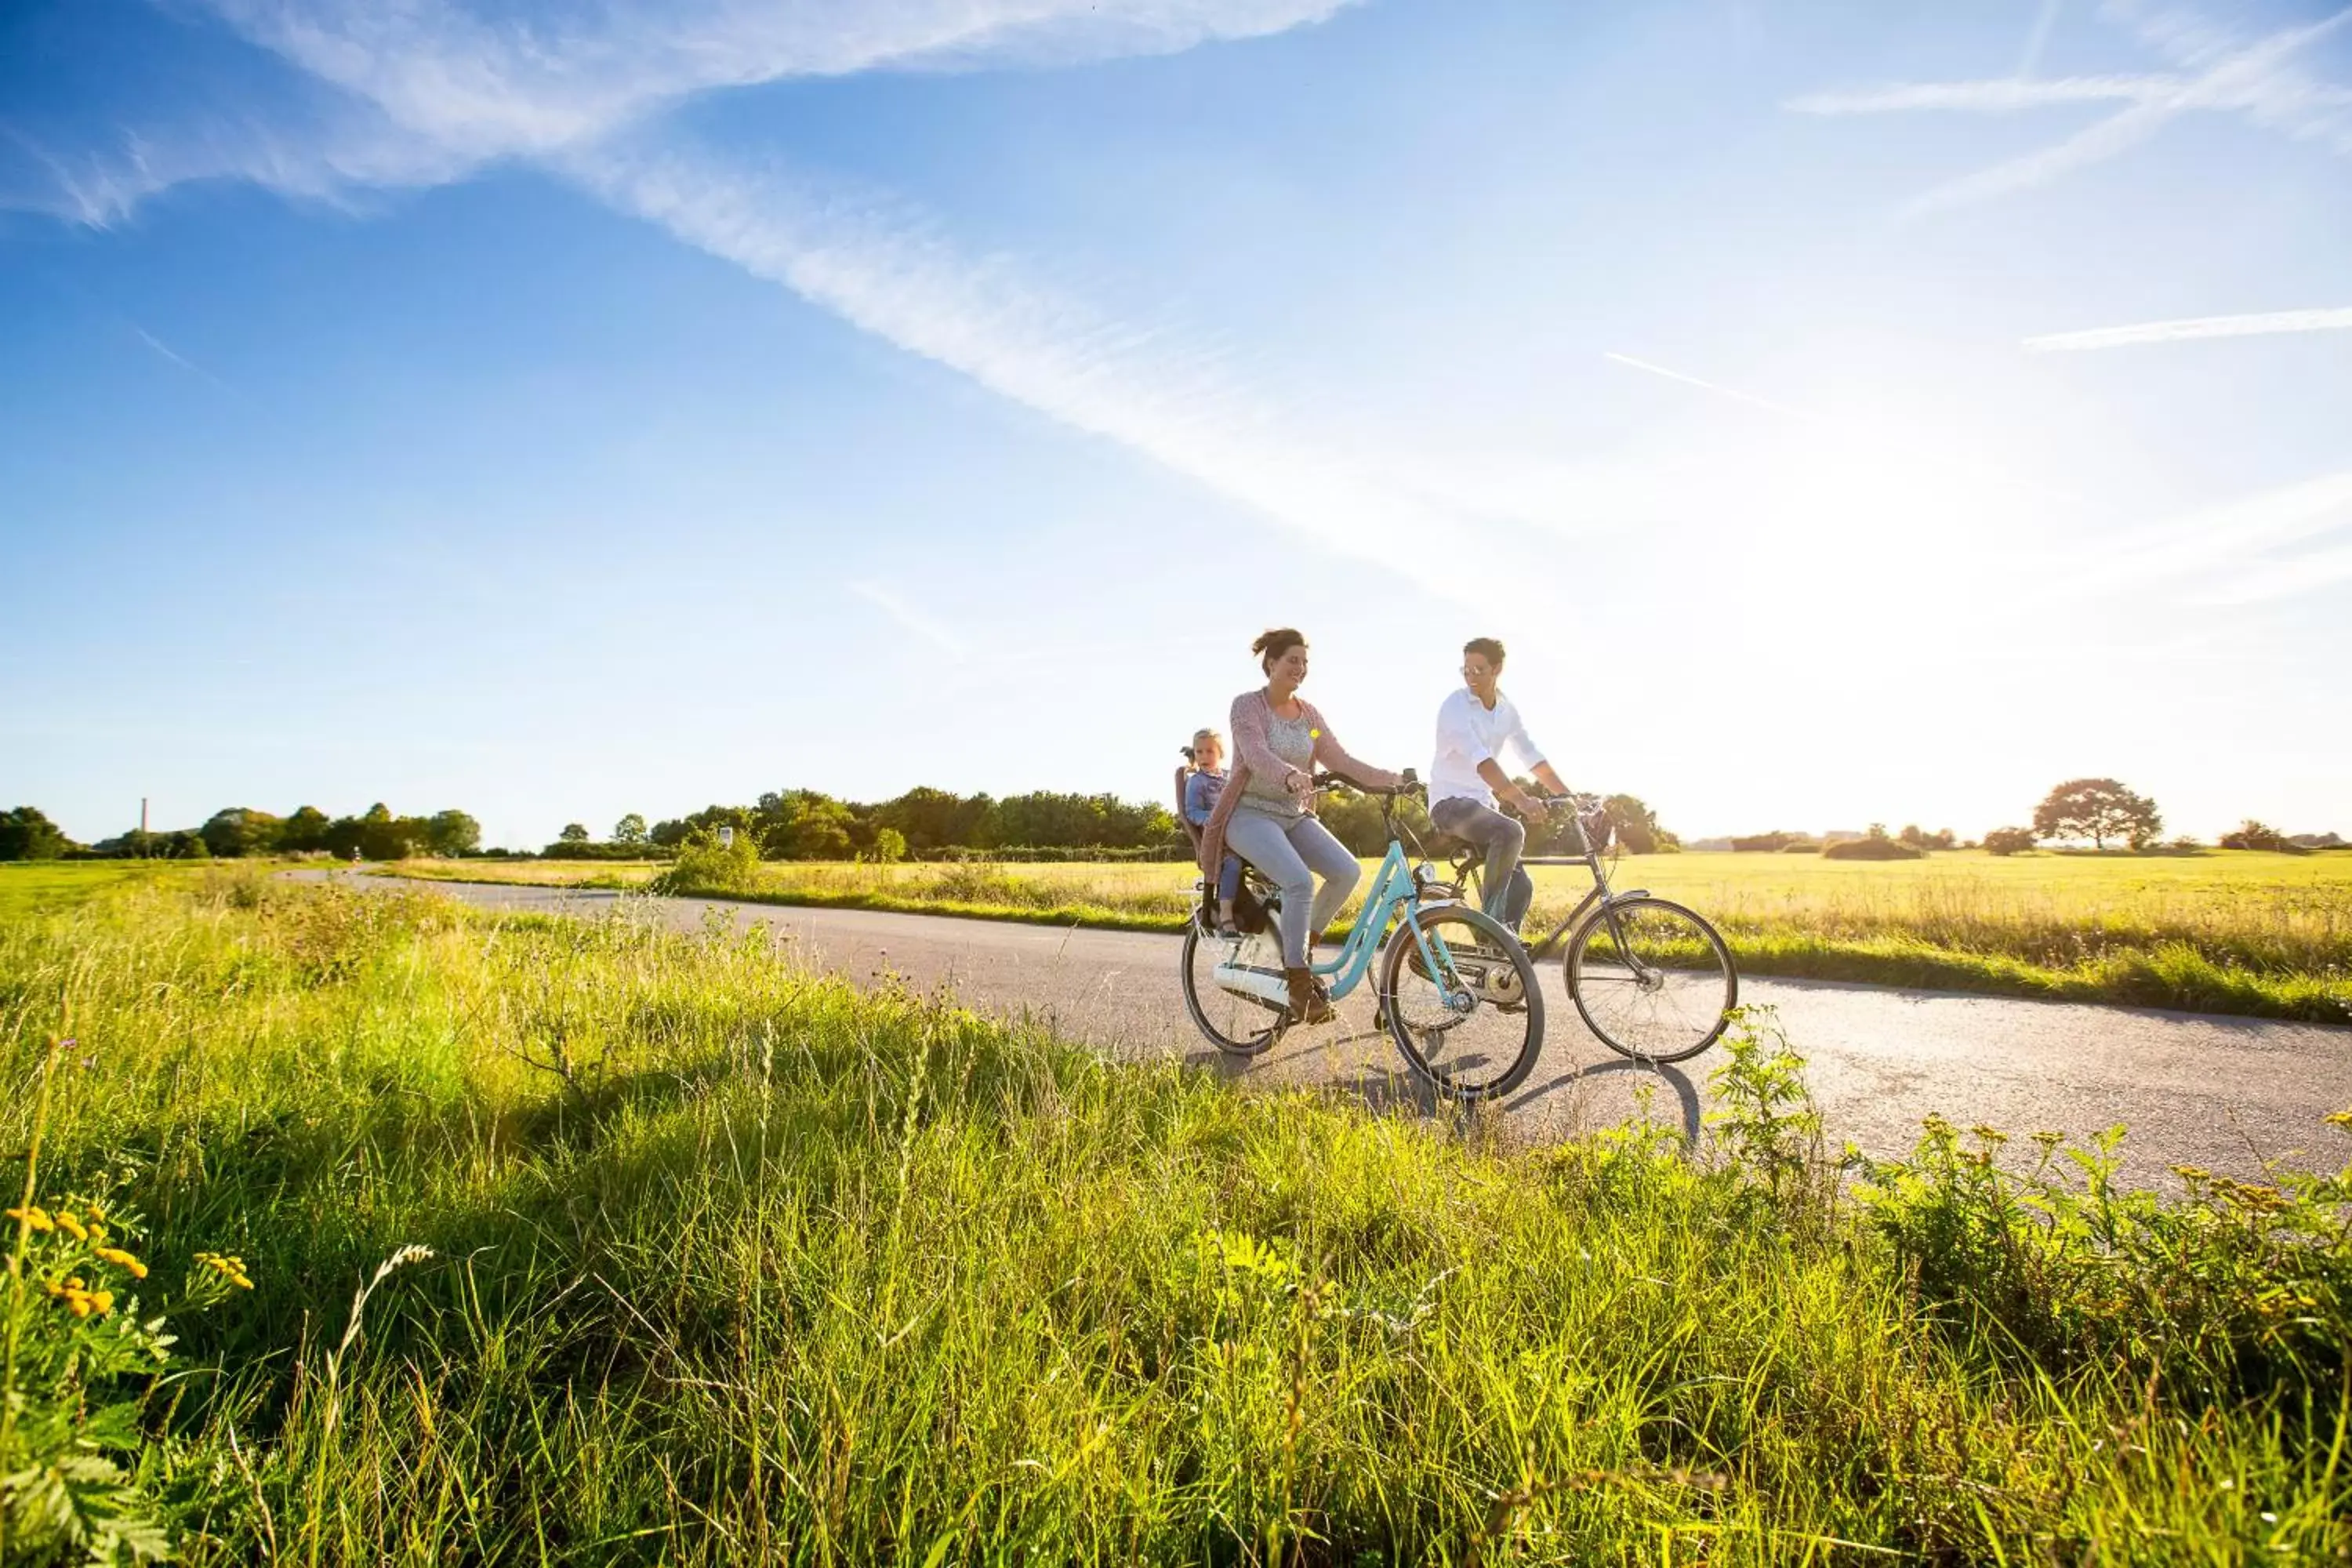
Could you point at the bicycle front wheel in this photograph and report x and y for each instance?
(1474, 1027)
(1652, 979)
(1237, 1025)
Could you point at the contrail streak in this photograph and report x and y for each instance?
(1734, 393)
(2199, 327)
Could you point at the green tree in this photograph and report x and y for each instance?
(574, 832)
(25, 834)
(803, 825)
(630, 829)
(889, 847)
(1634, 824)
(305, 830)
(934, 819)
(452, 832)
(241, 830)
(383, 837)
(2098, 810)
(2253, 835)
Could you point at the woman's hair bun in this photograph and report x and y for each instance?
(1272, 644)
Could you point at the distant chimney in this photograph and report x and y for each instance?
(143, 813)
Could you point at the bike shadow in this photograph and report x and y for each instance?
(1685, 1092)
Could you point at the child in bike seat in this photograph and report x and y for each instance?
(1201, 794)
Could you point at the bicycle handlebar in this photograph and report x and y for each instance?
(1407, 784)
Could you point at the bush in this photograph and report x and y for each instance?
(2253, 835)
(565, 849)
(1770, 842)
(706, 865)
(1873, 849)
(2239, 1292)
(2009, 840)
(1802, 846)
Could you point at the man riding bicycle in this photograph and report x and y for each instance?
(1475, 726)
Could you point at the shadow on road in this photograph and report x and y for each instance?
(1685, 1091)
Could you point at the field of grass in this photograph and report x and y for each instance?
(731, 1265)
(2246, 932)
(29, 885)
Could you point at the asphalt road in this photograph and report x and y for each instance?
(2194, 1090)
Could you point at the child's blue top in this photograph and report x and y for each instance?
(1201, 792)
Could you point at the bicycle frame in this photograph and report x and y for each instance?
(1393, 889)
(1601, 895)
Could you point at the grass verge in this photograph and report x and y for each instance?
(729, 1265)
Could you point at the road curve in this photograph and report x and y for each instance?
(2194, 1090)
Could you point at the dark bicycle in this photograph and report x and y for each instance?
(1653, 979)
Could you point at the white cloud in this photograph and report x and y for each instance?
(988, 318)
(2260, 78)
(2196, 327)
(1720, 391)
(2287, 578)
(431, 90)
(2235, 552)
(173, 355)
(1999, 95)
(2038, 40)
(893, 604)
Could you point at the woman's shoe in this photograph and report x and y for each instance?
(1310, 1003)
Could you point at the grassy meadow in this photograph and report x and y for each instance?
(2230, 931)
(576, 1242)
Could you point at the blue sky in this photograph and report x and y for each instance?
(570, 411)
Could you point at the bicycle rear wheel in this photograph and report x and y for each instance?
(1474, 1032)
(1237, 1025)
(1652, 979)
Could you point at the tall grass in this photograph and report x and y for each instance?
(2260, 935)
(732, 1265)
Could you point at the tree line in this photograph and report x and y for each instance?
(922, 823)
(376, 834)
(785, 825)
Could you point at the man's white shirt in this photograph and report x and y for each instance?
(1468, 733)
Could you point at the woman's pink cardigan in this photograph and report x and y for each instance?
(1253, 752)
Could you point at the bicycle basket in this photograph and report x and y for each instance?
(1592, 833)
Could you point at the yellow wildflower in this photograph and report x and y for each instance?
(240, 1282)
(79, 1304)
(122, 1259)
(101, 1299)
(35, 1217)
(68, 1223)
(96, 1214)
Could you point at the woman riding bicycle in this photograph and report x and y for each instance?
(1266, 813)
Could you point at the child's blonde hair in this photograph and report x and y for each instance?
(1201, 735)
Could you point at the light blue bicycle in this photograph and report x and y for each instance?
(1456, 990)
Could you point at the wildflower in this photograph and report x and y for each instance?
(72, 1226)
(33, 1217)
(122, 1259)
(102, 1300)
(2333, 1118)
